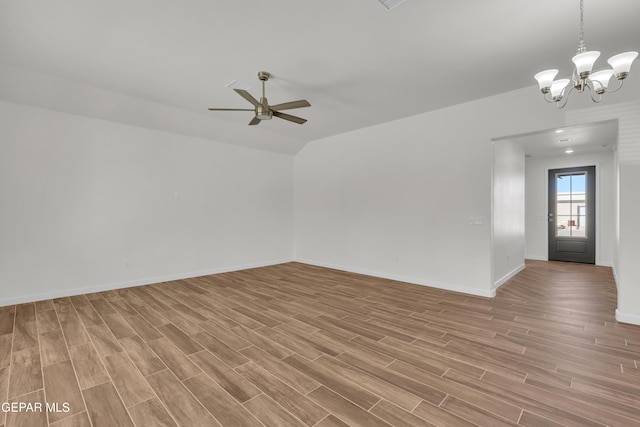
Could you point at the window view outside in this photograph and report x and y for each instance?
(571, 203)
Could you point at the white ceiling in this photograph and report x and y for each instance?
(357, 63)
(582, 139)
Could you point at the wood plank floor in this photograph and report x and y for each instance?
(298, 345)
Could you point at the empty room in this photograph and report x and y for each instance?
(319, 213)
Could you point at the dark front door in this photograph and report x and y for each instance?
(572, 219)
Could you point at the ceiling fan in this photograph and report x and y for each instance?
(263, 110)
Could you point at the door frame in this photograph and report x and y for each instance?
(567, 165)
(591, 175)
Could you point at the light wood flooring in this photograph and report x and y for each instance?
(296, 345)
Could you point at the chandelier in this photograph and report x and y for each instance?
(557, 91)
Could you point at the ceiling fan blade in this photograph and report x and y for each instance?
(254, 121)
(289, 117)
(246, 95)
(231, 109)
(290, 105)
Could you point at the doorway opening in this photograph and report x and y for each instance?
(590, 144)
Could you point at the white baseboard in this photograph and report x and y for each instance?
(627, 318)
(508, 276)
(137, 282)
(537, 257)
(412, 280)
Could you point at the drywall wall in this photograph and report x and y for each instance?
(627, 210)
(537, 202)
(411, 199)
(89, 204)
(508, 210)
(628, 272)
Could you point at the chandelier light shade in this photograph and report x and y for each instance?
(584, 62)
(621, 63)
(601, 80)
(583, 78)
(557, 87)
(545, 79)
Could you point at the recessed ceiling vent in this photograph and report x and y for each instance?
(391, 4)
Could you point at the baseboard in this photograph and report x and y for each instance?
(508, 276)
(412, 280)
(536, 258)
(136, 282)
(627, 318)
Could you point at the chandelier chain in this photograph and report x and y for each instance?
(581, 46)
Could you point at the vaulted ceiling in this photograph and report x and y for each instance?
(161, 63)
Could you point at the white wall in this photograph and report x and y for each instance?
(628, 271)
(508, 210)
(627, 250)
(89, 204)
(394, 200)
(537, 202)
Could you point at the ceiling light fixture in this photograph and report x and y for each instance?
(568, 151)
(557, 91)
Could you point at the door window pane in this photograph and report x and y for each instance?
(571, 205)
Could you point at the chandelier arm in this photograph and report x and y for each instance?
(566, 92)
(547, 97)
(621, 82)
(592, 90)
(565, 97)
(560, 104)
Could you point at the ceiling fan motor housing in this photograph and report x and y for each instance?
(263, 112)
